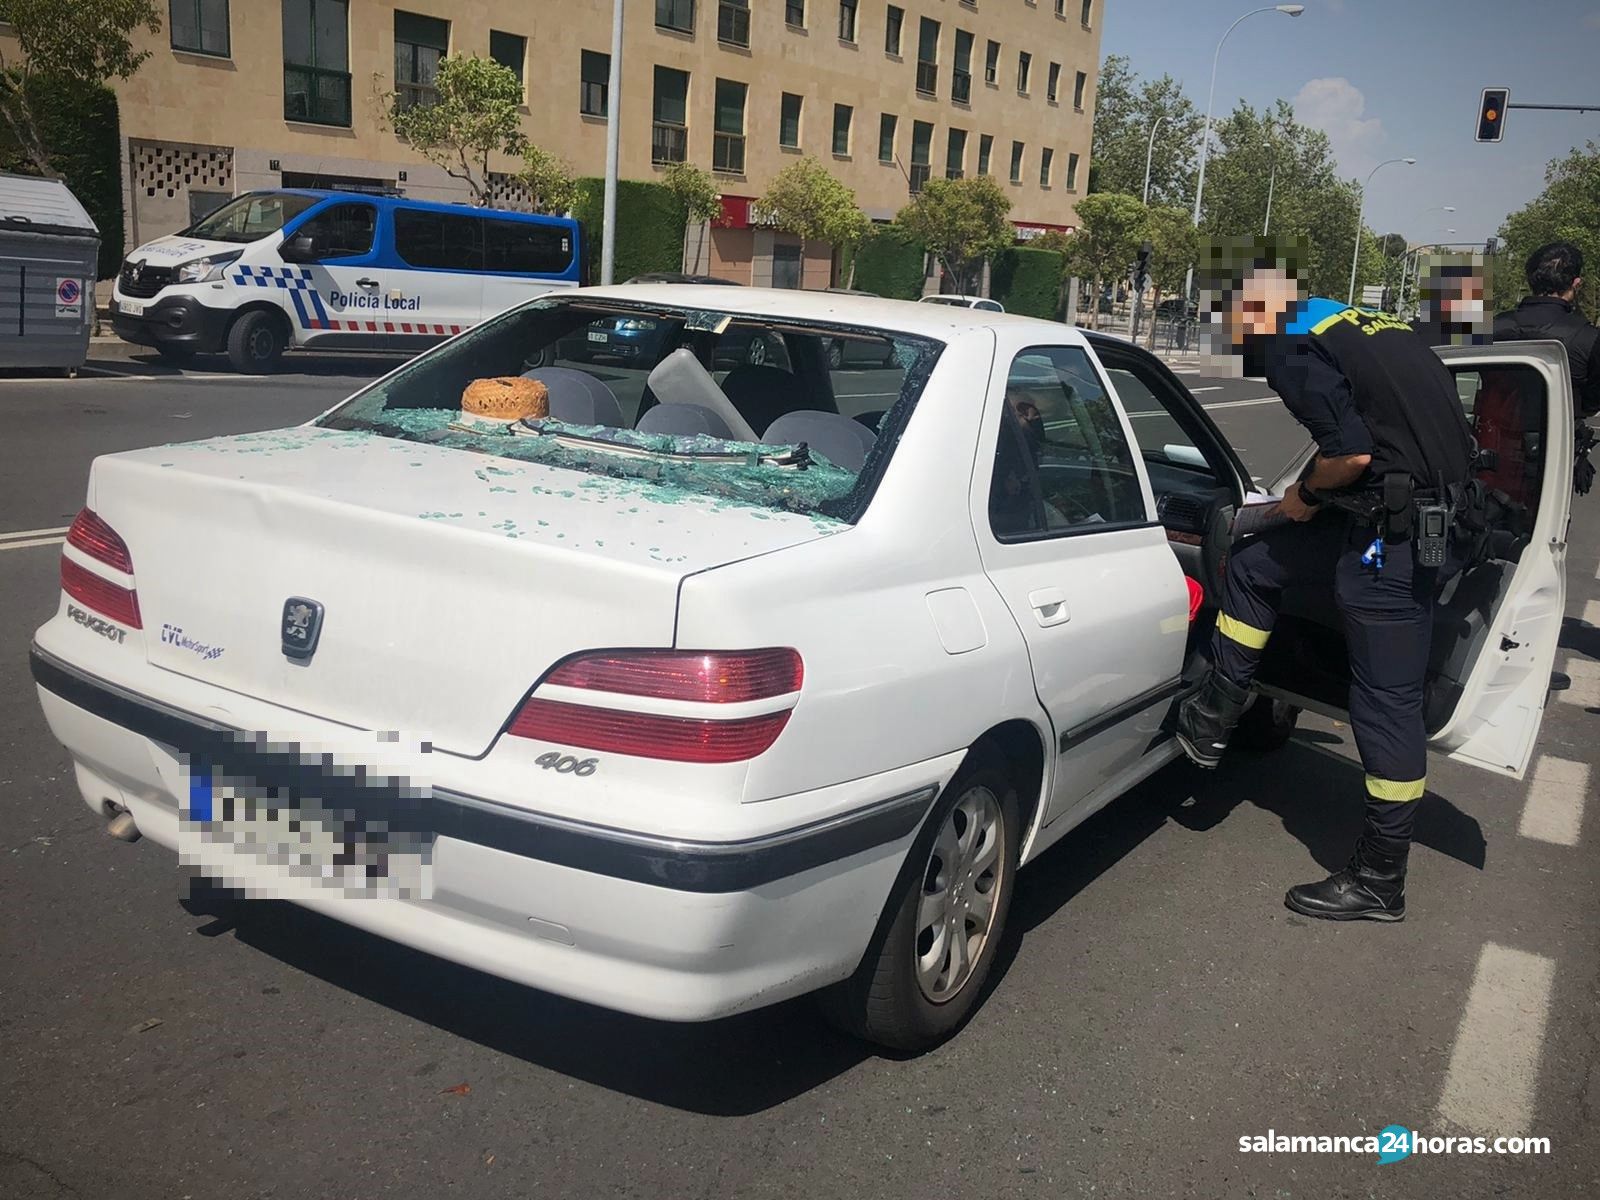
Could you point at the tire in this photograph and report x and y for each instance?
(835, 355)
(256, 343)
(910, 993)
(176, 356)
(1267, 725)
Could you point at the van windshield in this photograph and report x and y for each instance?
(251, 216)
(782, 413)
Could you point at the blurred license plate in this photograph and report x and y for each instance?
(595, 336)
(132, 308)
(274, 844)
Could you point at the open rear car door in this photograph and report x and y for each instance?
(1497, 623)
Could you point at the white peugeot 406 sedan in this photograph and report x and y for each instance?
(716, 686)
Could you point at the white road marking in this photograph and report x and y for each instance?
(28, 533)
(1134, 416)
(1554, 809)
(1489, 1088)
(1591, 614)
(55, 541)
(1214, 388)
(1585, 676)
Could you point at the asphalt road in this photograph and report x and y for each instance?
(1154, 1002)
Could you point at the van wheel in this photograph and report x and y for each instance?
(255, 343)
(945, 921)
(1268, 724)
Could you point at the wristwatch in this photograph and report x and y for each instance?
(1307, 496)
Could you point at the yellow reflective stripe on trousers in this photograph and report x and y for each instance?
(1246, 635)
(1395, 789)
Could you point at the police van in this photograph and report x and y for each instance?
(326, 270)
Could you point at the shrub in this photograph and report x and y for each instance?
(889, 262)
(1028, 281)
(650, 225)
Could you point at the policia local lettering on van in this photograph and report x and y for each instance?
(1370, 522)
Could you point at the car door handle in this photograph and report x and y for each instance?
(368, 283)
(1049, 607)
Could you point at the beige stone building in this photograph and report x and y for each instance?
(241, 94)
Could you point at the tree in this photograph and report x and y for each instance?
(805, 200)
(1568, 210)
(551, 187)
(697, 191)
(1110, 227)
(1173, 247)
(1126, 110)
(82, 43)
(961, 222)
(478, 113)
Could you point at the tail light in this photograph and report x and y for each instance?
(685, 688)
(101, 543)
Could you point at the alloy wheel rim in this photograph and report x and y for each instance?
(757, 354)
(960, 888)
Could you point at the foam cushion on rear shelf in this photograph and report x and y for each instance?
(577, 397)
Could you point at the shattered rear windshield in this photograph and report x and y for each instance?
(795, 416)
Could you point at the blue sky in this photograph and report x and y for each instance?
(1394, 78)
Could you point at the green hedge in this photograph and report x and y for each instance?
(890, 264)
(82, 130)
(1027, 281)
(650, 226)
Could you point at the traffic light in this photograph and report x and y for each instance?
(1492, 114)
(1141, 269)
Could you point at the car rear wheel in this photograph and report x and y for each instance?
(756, 353)
(925, 972)
(255, 343)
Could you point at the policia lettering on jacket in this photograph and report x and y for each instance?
(1369, 521)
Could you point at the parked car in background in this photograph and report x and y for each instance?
(673, 277)
(981, 302)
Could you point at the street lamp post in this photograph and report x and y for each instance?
(608, 221)
(1361, 206)
(1148, 153)
(1288, 10)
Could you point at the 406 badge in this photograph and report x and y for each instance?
(567, 764)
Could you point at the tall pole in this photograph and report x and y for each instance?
(1149, 151)
(1361, 208)
(608, 236)
(1272, 181)
(1291, 10)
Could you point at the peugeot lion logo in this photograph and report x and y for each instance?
(302, 623)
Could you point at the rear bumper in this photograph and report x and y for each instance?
(665, 928)
(173, 321)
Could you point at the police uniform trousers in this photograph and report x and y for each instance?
(1388, 625)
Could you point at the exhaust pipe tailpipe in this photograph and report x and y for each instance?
(123, 827)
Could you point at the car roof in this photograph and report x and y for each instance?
(941, 321)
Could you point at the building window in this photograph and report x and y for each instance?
(1024, 67)
(1016, 162)
(1053, 82)
(847, 20)
(955, 154)
(316, 61)
(1046, 157)
(961, 75)
(199, 26)
(1078, 87)
(1072, 172)
(509, 50)
(727, 138)
(841, 128)
(991, 63)
(887, 124)
(985, 149)
(921, 146)
(733, 22)
(789, 121)
(786, 266)
(1088, 7)
(794, 13)
(669, 132)
(594, 85)
(893, 23)
(676, 15)
(928, 57)
(419, 43)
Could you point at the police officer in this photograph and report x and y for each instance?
(1555, 277)
(1390, 434)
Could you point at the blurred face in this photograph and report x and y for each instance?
(1463, 300)
(1258, 307)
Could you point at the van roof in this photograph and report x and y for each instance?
(406, 201)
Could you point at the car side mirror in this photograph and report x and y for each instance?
(300, 248)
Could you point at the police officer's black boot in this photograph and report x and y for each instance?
(1206, 719)
(1371, 888)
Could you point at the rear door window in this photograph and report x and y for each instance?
(526, 247)
(443, 241)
